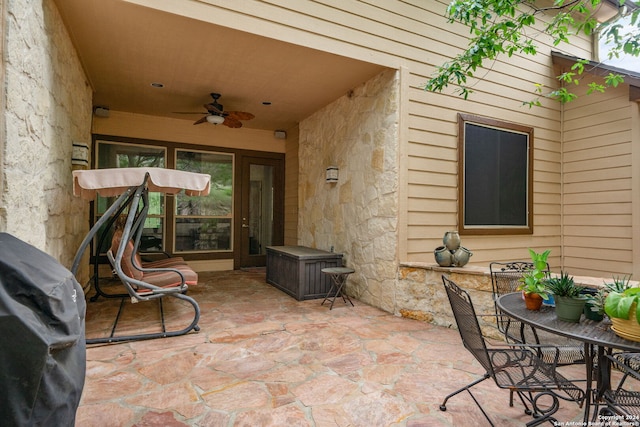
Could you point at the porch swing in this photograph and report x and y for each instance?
(141, 281)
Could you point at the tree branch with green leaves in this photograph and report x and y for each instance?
(500, 27)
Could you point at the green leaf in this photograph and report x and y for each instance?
(616, 305)
(613, 79)
(595, 87)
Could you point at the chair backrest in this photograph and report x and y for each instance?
(467, 322)
(505, 278)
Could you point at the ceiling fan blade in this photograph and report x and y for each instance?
(240, 115)
(201, 120)
(231, 122)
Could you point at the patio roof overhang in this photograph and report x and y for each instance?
(130, 48)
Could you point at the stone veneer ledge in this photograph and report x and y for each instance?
(420, 293)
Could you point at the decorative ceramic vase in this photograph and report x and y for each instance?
(532, 301)
(461, 256)
(444, 257)
(569, 309)
(451, 240)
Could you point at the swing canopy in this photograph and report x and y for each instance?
(113, 182)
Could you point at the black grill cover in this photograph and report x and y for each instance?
(42, 350)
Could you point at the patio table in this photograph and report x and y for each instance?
(338, 277)
(591, 333)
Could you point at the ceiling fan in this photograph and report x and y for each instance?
(216, 114)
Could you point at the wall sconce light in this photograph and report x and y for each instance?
(80, 156)
(332, 174)
(101, 111)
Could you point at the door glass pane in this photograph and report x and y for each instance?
(204, 223)
(117, 155)
(260, 208)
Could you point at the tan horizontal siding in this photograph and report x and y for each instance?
(596, 231)
(588, 197)
(617, 243)
(597, 131)
(624, 208)
(431, 205)
(427, 150)
(598, 163)
(595, 175)
(596, 267)
(616, 136)
(432, 192)
(611, 219)
(432, 178)
(588, 153)
(599, 186)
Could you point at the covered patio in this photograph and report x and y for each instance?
(262, 358)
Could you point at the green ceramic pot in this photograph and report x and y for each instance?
(569, 309)
(590, 314)
(444, 257)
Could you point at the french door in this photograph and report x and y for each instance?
(261, 220)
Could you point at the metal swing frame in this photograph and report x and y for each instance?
(135, 198)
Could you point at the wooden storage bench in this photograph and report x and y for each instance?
(296, 270)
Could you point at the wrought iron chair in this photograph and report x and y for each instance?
(505, 278)
(513, 367)
(623, 403)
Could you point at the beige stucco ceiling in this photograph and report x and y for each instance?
(125, 47)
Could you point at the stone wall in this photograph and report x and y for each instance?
(48, 105)
(358, 215)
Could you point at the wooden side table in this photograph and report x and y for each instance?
(338, 278)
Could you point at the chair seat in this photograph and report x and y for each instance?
(521, 370)
(631, 360)
(625, 402)
(166, 279)
(621, 400)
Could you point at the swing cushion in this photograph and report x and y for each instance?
(127, 263)
(161, 279)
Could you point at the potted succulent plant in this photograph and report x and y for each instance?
(568, 297)
(532, 281)
(594, 307)
(619, 284)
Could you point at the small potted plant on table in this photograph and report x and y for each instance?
(594, 307)
(568, 297)
(532, 281)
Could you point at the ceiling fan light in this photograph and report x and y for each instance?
(215, 119)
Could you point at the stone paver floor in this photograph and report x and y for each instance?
(262, 358)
